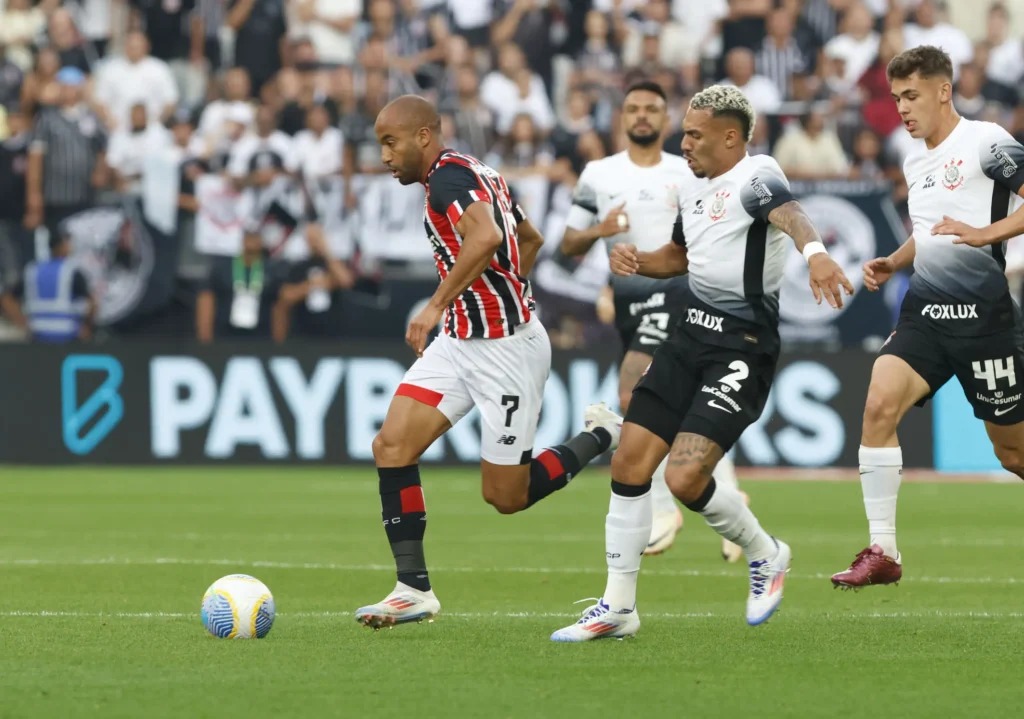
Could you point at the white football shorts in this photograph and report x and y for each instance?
(504, 377)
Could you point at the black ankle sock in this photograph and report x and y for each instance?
(630, 490)
(405, 521)
(698, 504)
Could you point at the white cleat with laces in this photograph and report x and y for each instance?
(404, 604)
(766, 579)
(599, 622)
(598, 415)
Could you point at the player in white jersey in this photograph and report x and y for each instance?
(958, 317)
(633, 197)
(711, 378)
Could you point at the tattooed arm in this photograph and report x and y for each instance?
(826, 274)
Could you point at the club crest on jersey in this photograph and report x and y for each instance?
(953, 177)
(717, 211)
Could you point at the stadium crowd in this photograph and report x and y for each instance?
(264, 110)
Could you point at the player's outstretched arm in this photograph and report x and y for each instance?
(667, 261)
(481, 238)
(530, 241)
(826, 275)
(578, 242)
(964, 234)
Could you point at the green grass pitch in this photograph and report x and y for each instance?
(102, 571)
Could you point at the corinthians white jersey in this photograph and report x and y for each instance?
(651, 196)
(736, 256)
(974, 177)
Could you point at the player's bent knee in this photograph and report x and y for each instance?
(389, 452)
(686, 482)
(505, 501)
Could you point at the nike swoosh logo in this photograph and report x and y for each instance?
(1004, 410)
(911, 185)
(713, 403)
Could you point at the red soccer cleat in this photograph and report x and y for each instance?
(872, 566)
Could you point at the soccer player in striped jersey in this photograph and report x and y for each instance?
(958, 317)
(493, 354)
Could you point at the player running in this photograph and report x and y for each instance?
(712, 376)
(958, 318)
(635, 193)
(493, 354)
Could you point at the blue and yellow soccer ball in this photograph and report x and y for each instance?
(238, 607)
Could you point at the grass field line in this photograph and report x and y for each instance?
(937, 614)
(329, 566)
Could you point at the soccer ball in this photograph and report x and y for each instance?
(238, 607)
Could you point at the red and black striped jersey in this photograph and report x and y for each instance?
(499, 300)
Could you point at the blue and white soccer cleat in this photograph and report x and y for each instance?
(600, 622)
(404, 604)
(766, 579)
(599, 415)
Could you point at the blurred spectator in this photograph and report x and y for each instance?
(812, 150)
(578, 120)
(58, 305)
(764, 96)
(329, 24)
(1005, 65)
(63, 36)
(967, 98)
(512, 89)
(168, 25)
(15, 240)
(849, 55)
(206, 24)
(678, 46)
(597, 62)
(929, 30)
(130, 146)
(472, 20)
(878, 109)
(474, 122)
(362, 148)
(236, 299)
(138, 77)
(213, 121)
(317, 150)
(780, 57)
(95, 19)
(259, 27)
(531, 25)
(868, 164)
(11, 80)
(21, 24)
(266, 139)
(317, 282)
(40, 86)
(744, 26)
(67, 157)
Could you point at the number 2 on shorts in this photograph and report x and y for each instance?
(511, 403)
(740, 371)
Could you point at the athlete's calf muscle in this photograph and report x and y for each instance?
(409, 428)
(632, 369)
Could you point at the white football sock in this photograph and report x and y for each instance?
(662, 499)
(725, 472)
(729, 515)
(627, 530)
(880, 474)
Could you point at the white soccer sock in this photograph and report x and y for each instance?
(725, 472)
(729, 515)
(627, 530)
(880, 473)
(662, 499)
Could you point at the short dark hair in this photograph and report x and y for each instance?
(926, 61)
(647, 86)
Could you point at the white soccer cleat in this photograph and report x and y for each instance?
(664, 527)
(598, 415)
(600, 622)
(732, 552)
(404, 604)
(766, 579)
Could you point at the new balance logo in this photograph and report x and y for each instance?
(950, 312)
(703, 319)
(507, 439)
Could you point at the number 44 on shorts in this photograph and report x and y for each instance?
(994, 370)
